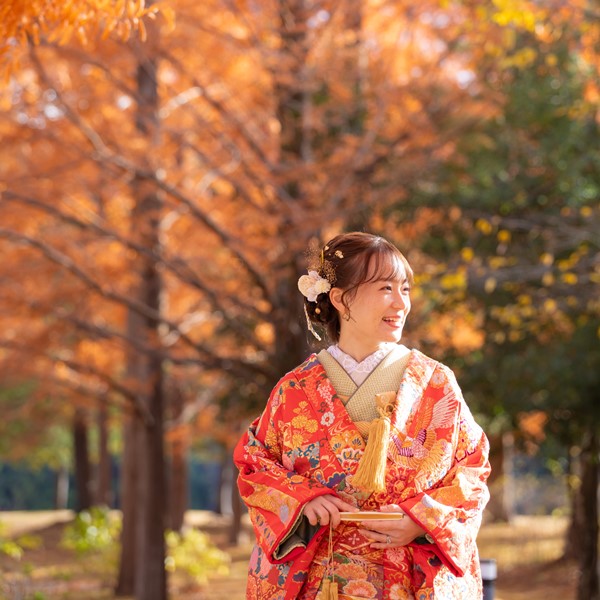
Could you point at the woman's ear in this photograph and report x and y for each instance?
(335, 295)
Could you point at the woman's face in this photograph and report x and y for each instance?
(378, 311)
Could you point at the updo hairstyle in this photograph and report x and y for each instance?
(345, 264)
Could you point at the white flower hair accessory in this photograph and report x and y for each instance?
(312, 285)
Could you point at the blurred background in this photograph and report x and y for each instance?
(164, 168)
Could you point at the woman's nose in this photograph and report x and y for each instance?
(399, 301)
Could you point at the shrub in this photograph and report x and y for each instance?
(92, 531)
(15, 548)
(193, 553)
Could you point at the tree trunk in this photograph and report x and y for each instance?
(148, 506)
(151, 579)
(500, 483)
(61, 499)
(225, 482)
(302, 145)
(178, 485)
(237, 508)
(144, 503)
(293, 100)
(354, 114)
(178, 454)
(103, 476)
(129, 485)
(82, 461)
(577, 524)
(588, 587)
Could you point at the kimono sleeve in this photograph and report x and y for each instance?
(274, 495)
(451, 511)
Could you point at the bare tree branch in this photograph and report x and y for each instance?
(70, 266)
(177, 267)
(88, 370)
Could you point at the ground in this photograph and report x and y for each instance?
(526, 553)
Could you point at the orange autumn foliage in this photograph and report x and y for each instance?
(55, 21)
(263, 138)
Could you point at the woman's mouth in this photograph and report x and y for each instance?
(393, 320)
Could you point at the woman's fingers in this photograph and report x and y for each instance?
(401, 532)
(314, 515)
(323, 509)
(337, 505)
(341, 505)
(316, 511)
(376, 537)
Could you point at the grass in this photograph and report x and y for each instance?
(526, 552)
(533, 540)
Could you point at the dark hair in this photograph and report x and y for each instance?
(345, 263)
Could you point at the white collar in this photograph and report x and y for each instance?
(359, 371)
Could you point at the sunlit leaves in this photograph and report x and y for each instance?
(23, 21)
(486, 106)
(523, 14)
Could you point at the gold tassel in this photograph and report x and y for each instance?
(330, 590)
(370, 475)
(330, 586)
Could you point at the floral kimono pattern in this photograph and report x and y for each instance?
(305, 445)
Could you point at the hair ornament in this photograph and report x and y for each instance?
(312, 285)
(310, 325)
(320, 279)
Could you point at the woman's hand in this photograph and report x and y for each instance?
(322, 509)
(389, 534)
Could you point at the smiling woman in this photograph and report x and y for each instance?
(365, 426)
(360, 268)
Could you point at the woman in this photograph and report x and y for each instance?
(366, 426)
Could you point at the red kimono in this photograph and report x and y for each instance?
(305, 444)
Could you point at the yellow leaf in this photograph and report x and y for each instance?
(524, 58)
(467, 254)
(497, 262)
(569, 278)
(490, 285)
(548, 279)
(484, 226)
(453, 281)
(563, 265)
(169, 15)
(142, 31)
(504, 236)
